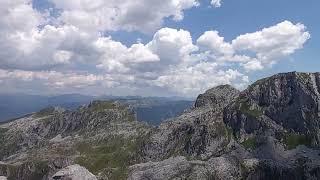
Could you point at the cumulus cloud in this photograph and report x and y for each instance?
(102, 15)
(252, 65)
(256, 50)
(43, 48)
(53, 81)
(272, 44)
(211, 41)
(216, 3)
(194, 79)
(172, 46)
(75, 56)
(116, 57)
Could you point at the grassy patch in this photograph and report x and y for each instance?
(102, 105)
(293, 140)
(112, 157)
(45, 112)
(2, 142)
(250, 143)
(304, 77)
(2, 135)
(28, 170)
(229, 133)
(2, 132)
(245, 109)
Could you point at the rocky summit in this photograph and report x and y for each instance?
(271, 130)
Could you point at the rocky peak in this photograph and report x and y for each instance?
(285, 103)
(217, 97)
(50, 111)
(264, 132)
(199, 132)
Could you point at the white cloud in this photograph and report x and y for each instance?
(18, 15)
(74, 57)
(172, 46)
(62, 56)
(210, 40)
(216, 3)
(257, 50)
(116, 57)
(194, 79)
(43, 48)
(54, 79)
(272, 44)
(101, 15)
(253, 65)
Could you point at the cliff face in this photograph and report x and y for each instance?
(284, 104)
(268, 131)
(199, 132)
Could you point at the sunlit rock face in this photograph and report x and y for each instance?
(268, 131)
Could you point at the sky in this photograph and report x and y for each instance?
(152, 47)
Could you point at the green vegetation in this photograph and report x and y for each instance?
(28, 170)
(229, 133)
(2, 141)
(111, 158)
(293, 140)
(45, 112)
(102, 105)
(2, 135)
(2, 132)
(245, 109)
(304, 77)
(250, 143)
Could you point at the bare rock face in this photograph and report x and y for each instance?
(167, 169)
(217, 97)
(179, 167)
(199, 132)
(277, 120)
(284, 105)
(96, 136)
(268, 131)
(74, 172)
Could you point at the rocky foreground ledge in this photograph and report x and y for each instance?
(271, 130)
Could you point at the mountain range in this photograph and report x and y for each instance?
(271, 130)
(153, 110)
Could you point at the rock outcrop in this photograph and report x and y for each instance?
(199, 132)
(102, 136)
(74, 172)
(268, 131)
(217, 97)
(283, 106)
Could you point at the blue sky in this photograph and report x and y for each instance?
(151, 47)
(237, 17)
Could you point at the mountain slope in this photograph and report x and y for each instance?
(268, 131)
(102, 136)
(153, 110)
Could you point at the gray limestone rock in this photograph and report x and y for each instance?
(74, 172)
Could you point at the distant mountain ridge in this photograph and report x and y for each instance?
(150, 109)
